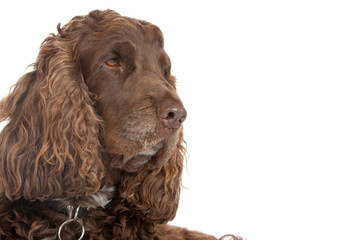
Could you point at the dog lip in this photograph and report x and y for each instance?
(153, 150)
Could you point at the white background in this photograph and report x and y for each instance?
(272, 90)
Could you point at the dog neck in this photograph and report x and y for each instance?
(82, 204)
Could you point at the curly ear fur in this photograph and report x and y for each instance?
(50, 147)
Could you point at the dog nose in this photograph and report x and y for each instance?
(172, 114)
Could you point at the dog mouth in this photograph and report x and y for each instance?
(153, 153)
(133, 163)
(152, 150)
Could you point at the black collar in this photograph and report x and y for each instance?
(69, 210)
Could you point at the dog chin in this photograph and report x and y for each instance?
(154, 156)
(136, 162)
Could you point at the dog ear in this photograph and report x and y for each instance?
(49, 147)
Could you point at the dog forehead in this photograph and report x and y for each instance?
(109, 23)
(148, 36)
(151, 32)
(136, 30)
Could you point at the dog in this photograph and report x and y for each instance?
(93, 146)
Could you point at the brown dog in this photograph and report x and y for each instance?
(93, 146)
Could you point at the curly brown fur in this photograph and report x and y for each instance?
(96, 124)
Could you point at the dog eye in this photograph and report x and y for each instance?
(113, 62)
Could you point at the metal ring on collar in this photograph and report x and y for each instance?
(69, 221)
